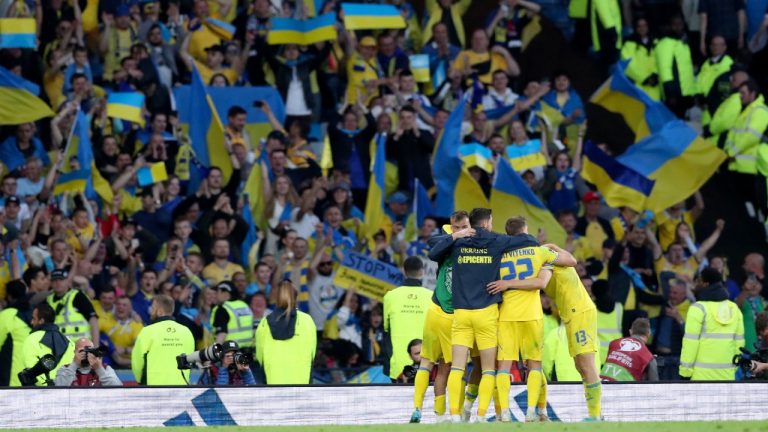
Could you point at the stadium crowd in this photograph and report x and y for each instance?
(100, 256)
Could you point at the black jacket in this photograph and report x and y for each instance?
(304, 67)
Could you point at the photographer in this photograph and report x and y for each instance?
(87, 369)
(232, 371)
(409, 371)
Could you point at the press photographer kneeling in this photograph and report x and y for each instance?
(219, 364)
(87, 368)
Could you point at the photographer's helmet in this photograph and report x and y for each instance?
(230, 346)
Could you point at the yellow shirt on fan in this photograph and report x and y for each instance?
(522, 264)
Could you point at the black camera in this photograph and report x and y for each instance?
(409, 372)
(28, 376)
(99, 351)
(745, 361)
(212, 353)
(242, 358)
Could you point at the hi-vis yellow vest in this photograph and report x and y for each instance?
(673, 53)
(714, 332)
(745, 135)
(240, 324)
(609, 328)
(642, 64)
(71, 322)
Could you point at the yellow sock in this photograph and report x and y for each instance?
(503, 386)
(420, 384)
(440, 405)
(462, 393)
(593, 392)
(496, 403)
(454, 389)
(543, 396)
(485, 391)
(471, 393)
(534, 389)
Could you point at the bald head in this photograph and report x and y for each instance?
(82, 343)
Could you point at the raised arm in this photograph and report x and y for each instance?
(707, 244)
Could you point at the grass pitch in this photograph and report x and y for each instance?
(719, 426)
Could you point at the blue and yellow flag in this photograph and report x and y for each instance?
(456, 188)
(478, 155)
(20, 103)
(18, 33)
(375, 202)
(152, 174)
(254, 190)
(619, 184)
(80, 146)
(221, 28)
(422, 207)
(250, 240)
(126, 106)
(207, 135)
(371, 17)
(420, 67)
(511, 196)
(73, 181)
(526, 156)
(292, 31)
(658, 146)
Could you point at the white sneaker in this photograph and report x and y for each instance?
(456, 418)
(531, 418)
(466, 413)
(506, 416)
(443, 418)
(479, 419)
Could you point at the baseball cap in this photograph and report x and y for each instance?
(398, 198)
(128, 221)
(123, 11)
(13, 199)
(59, 274)
(591, 196)
(368, 41)
(225, 286)
(228, 346)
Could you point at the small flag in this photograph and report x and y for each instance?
(420, 67)
(18, 33)
(221, 28)
(152, 174)
(73, 181)
(477, 155)
(126, 106)
(371, 17)
(292, 31)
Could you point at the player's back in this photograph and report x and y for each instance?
(568, 292)
(522, 264)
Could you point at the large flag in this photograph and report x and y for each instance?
(371, 17)
(456, 188)
(18, 33)
(292, 31)
(207, 134)
(511, 196)
(250, 240)
(254, 190)
(422, 207)
(126, 106)
(650, 142)
(20, 103)
(375, 216)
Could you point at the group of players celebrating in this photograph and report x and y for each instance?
(487, 305)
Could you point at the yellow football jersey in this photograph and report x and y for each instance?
(522, 264)
(569, 293)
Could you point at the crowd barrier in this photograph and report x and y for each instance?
(308, 405)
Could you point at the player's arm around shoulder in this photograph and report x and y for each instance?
(531, 284)
(564, 258)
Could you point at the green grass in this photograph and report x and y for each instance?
(720, 426)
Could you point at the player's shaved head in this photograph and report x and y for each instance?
(516, 225)
(479, 217)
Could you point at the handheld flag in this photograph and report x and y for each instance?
(20, 102)
(510, 197)
(251, 239)
(420, 67)
(152, 174)
(80, 146)
(18, 33)
(73, 181)
(526, 156)
(422, 207)
(477, 155)
(126, 106)
(221, 28)
(371, 17)
(375, 202)
(291, 31)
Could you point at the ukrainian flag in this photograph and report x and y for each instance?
(74, 181)
(126, 106)
(20, 103)
(619, 184)
(375, 216)
(250, 240)
(526, 156)
(152, 174)
(420, 67)
(371, 17)
(422, 207)
(659, 146)
(207, 134)
(18, 33)
(221, 28)
(477, 155)
(80, 145)
(511, 196)
(291, 31)
(254, 189)
(456, 188)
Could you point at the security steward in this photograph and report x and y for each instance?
(714, 332)
(46, 339)
(14, 329)
(232, 319)
(476, 313)
(75, 315)
(153, 359)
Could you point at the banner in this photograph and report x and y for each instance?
(143, 407)
(370, 277)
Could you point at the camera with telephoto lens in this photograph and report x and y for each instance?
(409, 372)
(28, 376)
(99, 351)
(242, 358)
(746, 361)
(209, 354)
